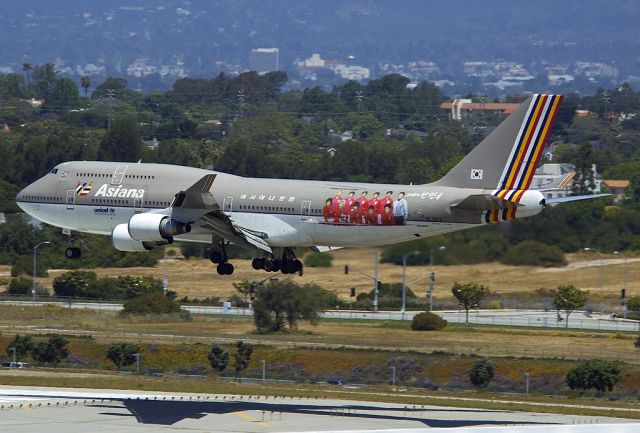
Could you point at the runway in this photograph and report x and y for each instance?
(58, 410)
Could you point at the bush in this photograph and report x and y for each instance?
(599, 375)
(122, 354)
(52, 351)
(532, 253)
(151, 304)
(482, 372)
(427, 322)
(24, 266)
(318, 260)
(20, 286)
(74, 283)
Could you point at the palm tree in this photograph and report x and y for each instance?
(85, 82)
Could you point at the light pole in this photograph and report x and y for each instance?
(624, 289)
(137, 355)
(526, 383)
(404, 279)
(393, 375)
(13, 349)
(374, 277)
(33, 287)
(432, 276)
(264, 370)
(601, 275)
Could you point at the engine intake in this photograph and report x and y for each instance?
(150, 227)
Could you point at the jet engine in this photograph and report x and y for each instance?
(532, 202)
(151, 227)
(122, 241)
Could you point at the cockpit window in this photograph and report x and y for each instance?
(54, 171)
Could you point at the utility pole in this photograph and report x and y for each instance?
(110, 95)
(359, 97)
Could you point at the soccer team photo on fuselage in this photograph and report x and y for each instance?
(380, 211)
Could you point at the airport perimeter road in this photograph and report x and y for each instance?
(532, 318)
(58, 410)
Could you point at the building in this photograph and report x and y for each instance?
(460, 108)
(617, 188)
(555, 180)
(263, 60)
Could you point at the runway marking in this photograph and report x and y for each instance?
(249, 418)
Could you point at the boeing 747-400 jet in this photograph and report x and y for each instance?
(142, 206)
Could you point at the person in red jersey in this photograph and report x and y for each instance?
(354, 213)
(385, 201)
(327, 210)
(335, 203)
(349, 201)
(372, 217)
(363, 205)
(387, 218)
(374, 202)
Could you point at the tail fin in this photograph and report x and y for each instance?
(507, 158)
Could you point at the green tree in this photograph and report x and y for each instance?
(242, 357)
(283, 303)
(482, 372)
(20, 286)
(23, 344)
(569, 298)
(51, 351)
(85, 82)
(318, 260)
(122, 142)
(24, 266)
(218, 358)
(74, 284)
(636, 343)
(583, 182)
(133, 287)
(599, 375)
(27, 68)
(633, 305)
(122, 354)
(469, 295)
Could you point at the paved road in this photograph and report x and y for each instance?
(57, 410)
(535, 318)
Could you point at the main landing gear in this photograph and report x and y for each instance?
(288, 265)
(219, 257)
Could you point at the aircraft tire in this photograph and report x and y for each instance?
(297, 266)
(258, 263)
(215, 257)
(72, 253)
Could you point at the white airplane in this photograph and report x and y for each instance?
(141, 206)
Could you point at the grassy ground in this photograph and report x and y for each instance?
(197, 278)
(394, 336)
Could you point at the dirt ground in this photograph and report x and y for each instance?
(198, 278)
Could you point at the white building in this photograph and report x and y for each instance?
(263, 60)
(558, 178)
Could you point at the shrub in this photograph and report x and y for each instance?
(51, 351)
(532, 253)
(427, 322)
(482, 372)
(318, 260)
(24, 266)
(122, 354)
(218, 358)
(23, 344)
(74, 283)
(596, 374)
(20, 286)
(151, 303)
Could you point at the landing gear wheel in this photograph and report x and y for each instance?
(225, 269)
(215, 257)
(270, 266)
(297, 266)
(72, 253)
(258, 263)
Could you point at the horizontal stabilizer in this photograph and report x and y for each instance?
(558, 200)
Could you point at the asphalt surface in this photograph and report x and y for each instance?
(58, 410)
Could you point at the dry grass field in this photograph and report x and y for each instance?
(198, 278)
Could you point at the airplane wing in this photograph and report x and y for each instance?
(558, 200)
(197, 206)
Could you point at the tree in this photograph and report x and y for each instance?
(599, 375)
(74, 283)
(218, 358)
(482, 372)
(85, 82)
(636, 343)
(122, 142)
(569, 298)
(633, 305)
(51, 351)
(242, 356)
(26, 67)
(152, 304)
(122, 354)
(283, 303)
(469, 296)
(23, 344)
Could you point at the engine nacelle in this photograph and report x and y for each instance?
(532, 202)
(151, 227)
(122, 241)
